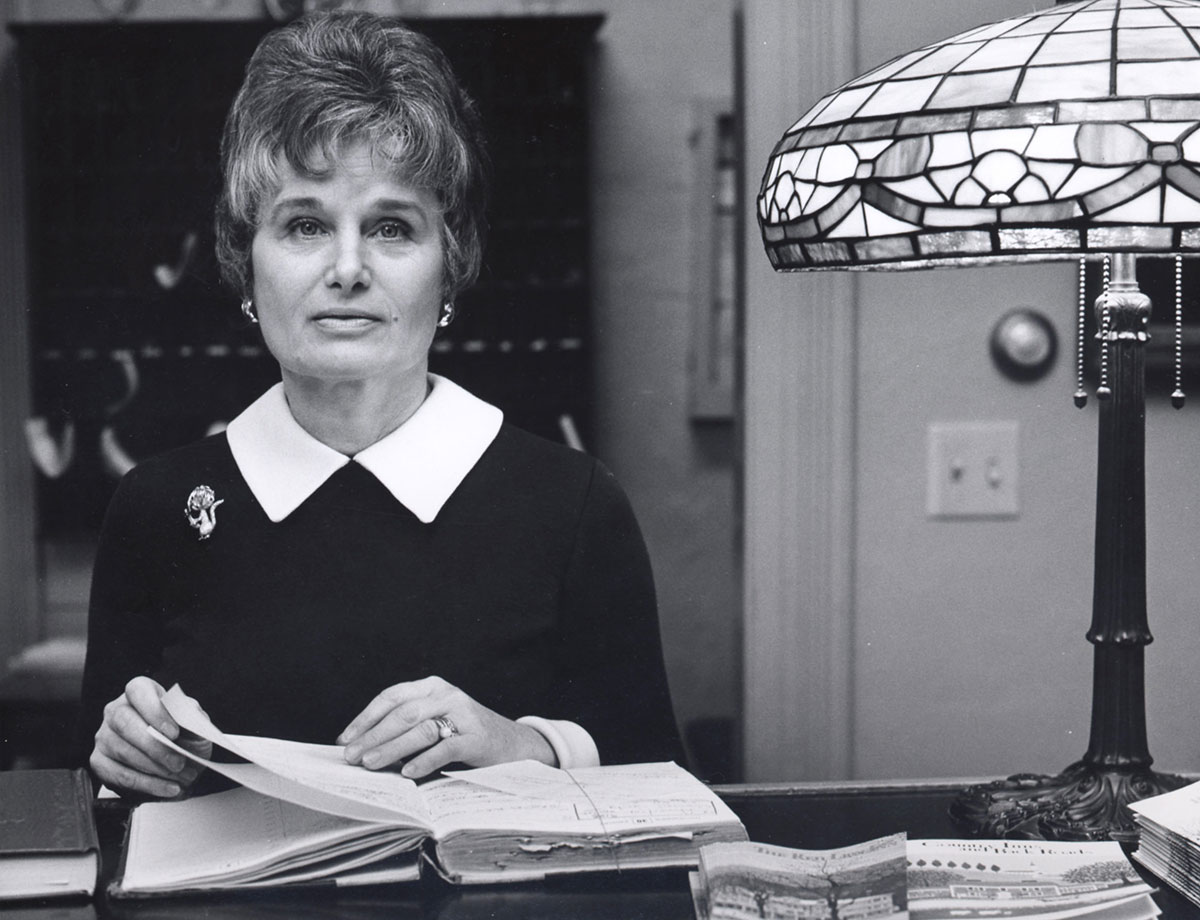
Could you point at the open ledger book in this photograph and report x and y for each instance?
(302, 814)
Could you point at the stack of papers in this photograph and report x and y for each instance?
(1170, 838)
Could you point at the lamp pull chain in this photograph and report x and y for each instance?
(1177, 397)
(1080, 393)
(1103, 391)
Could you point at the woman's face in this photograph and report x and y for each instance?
(348, 274)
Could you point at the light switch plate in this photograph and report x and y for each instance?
(973, 470)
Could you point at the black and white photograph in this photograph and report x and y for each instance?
(778, 415)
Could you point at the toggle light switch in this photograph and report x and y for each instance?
(973, 470)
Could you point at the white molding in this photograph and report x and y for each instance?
(799, 403)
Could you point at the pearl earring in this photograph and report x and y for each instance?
(447, 316)
(248, 310)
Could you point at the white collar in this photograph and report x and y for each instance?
(421, 463)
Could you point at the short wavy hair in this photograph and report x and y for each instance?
(329, 79)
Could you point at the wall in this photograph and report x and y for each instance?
(654, 60)
(969, 629)
(961, 642)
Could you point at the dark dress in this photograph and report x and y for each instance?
(531, 591)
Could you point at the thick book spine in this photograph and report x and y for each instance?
(46, 812)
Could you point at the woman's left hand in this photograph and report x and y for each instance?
(402, 724)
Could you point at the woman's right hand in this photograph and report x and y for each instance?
(128, 758)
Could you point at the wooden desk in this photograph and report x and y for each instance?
(810, 815)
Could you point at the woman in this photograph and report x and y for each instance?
(369, 555)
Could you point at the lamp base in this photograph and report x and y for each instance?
(1081, 803)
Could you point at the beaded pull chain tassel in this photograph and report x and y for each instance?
(1177, 397)
(1080, 393)
(1103, 391)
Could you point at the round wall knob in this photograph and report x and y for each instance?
(1024, 344)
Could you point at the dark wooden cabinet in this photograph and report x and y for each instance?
(137, 347)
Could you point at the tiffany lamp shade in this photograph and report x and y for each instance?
(1068, 133)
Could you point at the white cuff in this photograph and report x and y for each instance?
(572, 744)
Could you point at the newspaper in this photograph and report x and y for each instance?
(892, 877)
(748, 881)
(1027, 879)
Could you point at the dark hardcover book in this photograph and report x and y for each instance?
(48, 844)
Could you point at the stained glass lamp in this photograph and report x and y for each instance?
(1069, 133)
